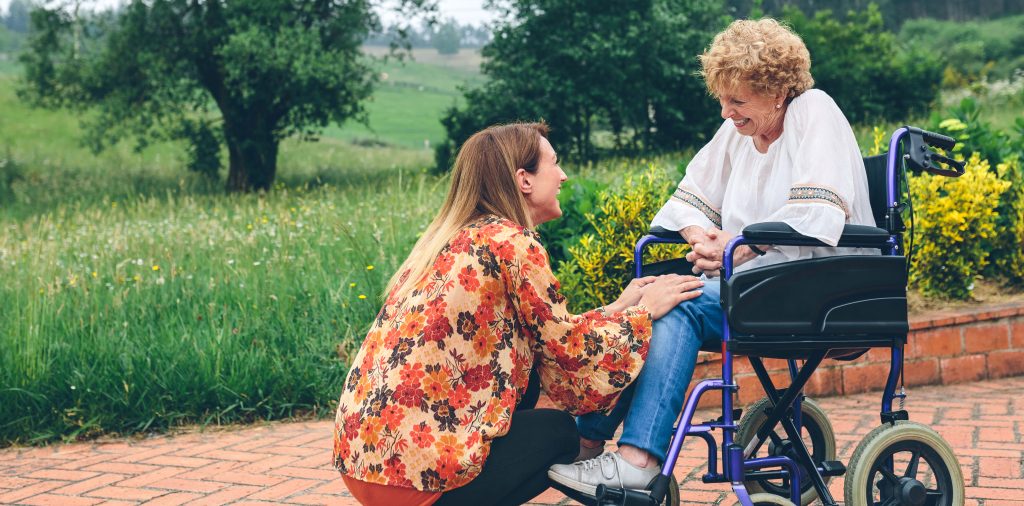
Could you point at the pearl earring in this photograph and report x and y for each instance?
(778, 106)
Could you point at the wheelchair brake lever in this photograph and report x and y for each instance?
(956, 167)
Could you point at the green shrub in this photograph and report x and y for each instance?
(956, 229)
(972, 50)
(579, 197)
(1004, 151)
(1008, 250)
(602, 262)
(863, 68)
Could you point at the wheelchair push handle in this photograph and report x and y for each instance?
(920, 158)
(933, 139)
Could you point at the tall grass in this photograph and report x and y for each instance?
(148, 313)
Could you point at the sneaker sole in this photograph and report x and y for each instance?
(583, 488)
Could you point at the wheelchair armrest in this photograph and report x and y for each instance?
(664, 233)
(862, 236)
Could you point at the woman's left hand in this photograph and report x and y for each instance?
(630, 295)
(707, 256)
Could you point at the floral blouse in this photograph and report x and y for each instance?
(442, 370)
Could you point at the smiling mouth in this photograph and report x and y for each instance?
(741, 123)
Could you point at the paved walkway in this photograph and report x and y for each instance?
(287, 463)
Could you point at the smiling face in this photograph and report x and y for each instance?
(753, 114)
(541, 187)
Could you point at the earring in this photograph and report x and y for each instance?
(778, 106)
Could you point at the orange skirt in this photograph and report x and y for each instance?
(372, 494)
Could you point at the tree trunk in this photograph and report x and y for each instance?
(252, 160)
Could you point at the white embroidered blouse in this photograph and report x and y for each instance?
(812, 178)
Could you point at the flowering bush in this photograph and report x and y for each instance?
(601, 263)
(1004, 150)
(955, 222)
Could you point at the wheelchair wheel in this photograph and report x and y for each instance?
(767, 500)
(818, 436)
(902, 464)
(672, 497)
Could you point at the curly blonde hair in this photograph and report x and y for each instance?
(763, 54)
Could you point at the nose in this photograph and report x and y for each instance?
(727, 111)
(563, 176)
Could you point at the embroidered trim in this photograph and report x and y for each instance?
(804, 193)
(693, 200)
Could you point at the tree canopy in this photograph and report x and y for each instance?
(585, 66)
(862, 66)
(245, 73)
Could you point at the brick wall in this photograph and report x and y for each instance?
(942, 348)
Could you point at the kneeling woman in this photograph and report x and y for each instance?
(438, 407)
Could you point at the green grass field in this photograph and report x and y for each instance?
(137, 296)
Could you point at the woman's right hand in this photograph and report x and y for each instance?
(666, 292)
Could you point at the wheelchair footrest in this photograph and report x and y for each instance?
(607, 496)
(832, 468)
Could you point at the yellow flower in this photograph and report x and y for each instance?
(952, 124)
(361, 296)
(369, 267)
(94, 274)
(156, 267)
(352, 284)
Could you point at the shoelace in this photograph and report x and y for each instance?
(598, 462)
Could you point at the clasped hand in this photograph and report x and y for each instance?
(707, 249)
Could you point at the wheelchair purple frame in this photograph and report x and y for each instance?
(734, 463)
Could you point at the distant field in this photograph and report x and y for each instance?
(411, 97)
(54, 168)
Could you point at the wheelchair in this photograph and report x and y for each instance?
(782, 450)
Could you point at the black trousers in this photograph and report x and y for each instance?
(516, 470)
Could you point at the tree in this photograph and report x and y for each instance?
(863, 68)
(446, 37)
(628, 67)
(247, 73)
(17, 19)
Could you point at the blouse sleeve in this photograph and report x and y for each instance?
(584, 361)
(698, 198)
(825, 164)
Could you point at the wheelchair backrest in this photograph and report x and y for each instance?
(876, 169)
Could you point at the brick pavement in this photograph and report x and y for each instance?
(287, 463)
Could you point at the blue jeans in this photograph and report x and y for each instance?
(651, 405)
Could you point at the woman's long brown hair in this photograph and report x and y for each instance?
(483, 182)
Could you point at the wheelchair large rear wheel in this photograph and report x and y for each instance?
(818, 436)
(904, 464)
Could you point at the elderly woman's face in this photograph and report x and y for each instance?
(753, 114)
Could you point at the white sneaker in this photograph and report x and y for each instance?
(610, 470)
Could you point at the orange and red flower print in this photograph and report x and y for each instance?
(468, 279)
(440, 372)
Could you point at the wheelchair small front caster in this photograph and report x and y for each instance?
(903, 464)
(765, 499)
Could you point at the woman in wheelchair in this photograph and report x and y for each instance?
(438, 405)
(785, 153)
